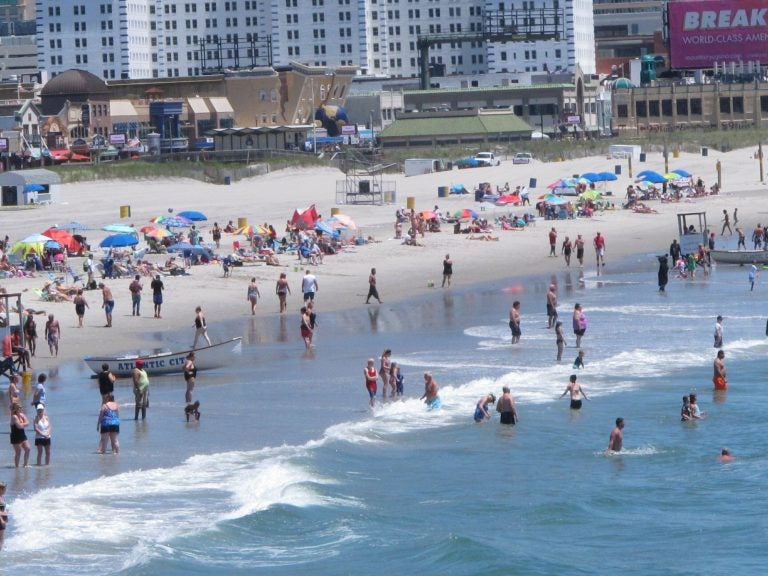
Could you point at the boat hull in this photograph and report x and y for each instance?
(206, 358)
(740, 256)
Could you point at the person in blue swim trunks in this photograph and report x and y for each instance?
(431, 389)
(481, 409)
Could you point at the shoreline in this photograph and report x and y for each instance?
(403, 271)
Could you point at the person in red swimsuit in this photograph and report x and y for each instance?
(371, 380)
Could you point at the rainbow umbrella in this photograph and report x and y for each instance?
(427, 214)
(247, 230)
(466, 213)
(172, 221)
(345, 220)
(157, 233)
(508, 199)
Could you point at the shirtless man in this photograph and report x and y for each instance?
(718, 378)
(53, 334)
(551, 306)
(617, 436)
(431, 389)
(108, 303)
(576, 392)
(579, 243)
(514, 321)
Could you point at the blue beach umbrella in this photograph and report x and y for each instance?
(327, 228)
(607, 176)
(193, 215)
(119, 228)
(119, 241)
(591, 176)
(33, 188)
(187, 247)
(650, 176)
(683, 173)
(52, 245)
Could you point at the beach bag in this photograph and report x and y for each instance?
(86, 268)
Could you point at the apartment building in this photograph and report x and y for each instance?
(125, 39)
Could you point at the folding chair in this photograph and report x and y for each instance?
(7, 367)
(75, 277)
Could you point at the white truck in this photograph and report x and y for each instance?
(486, 159)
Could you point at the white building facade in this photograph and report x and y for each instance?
(116, 39)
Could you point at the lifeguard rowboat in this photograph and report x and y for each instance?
(740, 256)
(206, 358)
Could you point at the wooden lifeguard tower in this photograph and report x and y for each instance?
(11, 320)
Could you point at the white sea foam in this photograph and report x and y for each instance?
(129, 514)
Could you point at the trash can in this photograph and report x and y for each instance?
(125, 211)
(242, 222)
(676, 153)
(704, 151)
(335, 211)
(227, 180)
(642, 156)
(442, 191)
(26, 378)
(532, 183)
(449, 166)
(617, 169)
(410, 202)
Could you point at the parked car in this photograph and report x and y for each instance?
(486, 159)
(522, 158)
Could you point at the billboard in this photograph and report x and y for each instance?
(703, 32)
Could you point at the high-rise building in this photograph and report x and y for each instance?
(116, 39)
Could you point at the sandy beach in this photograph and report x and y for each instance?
(403, 271)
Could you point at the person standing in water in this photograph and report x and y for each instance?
(719, 332)
(663, 272)
(576, 391)
(616, 440)
(371, 380)
(481, 409)
(599, 243)
(42, 435)
(190, 375)
(506, 407)
(719, 375)
(385, 371)
(447, 270)
(514, 321)
(551, 306)
(579, 323)
(140, 390)
(431, 389)
(753, 274)
(560, 340)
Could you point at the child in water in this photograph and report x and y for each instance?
(579, 362)
(396, 380)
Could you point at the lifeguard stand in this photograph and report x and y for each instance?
(693, 230)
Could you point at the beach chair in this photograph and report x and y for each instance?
(8, 367)
(53, 278)
(75, 277)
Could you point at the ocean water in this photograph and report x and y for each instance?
(289, 472)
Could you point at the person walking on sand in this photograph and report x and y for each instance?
(447, 270)
(42, 435)
(282, 290)
(726, 224)
(80, 305)
(719, 375)
(253, 295)
(30, 333)
(53, 334)
(135, 289)
(19, 441)
(576, 392)
(309, 286)
(580, 250)
(742, 239)
(107, 302)
(506, 407)
(566, 249)
(599, 243)
(735, 218)
(371, 380)
(201, 327)
(551, 306)
(157, 294)
(190, 375)
(553, 242)
(616, 439)
(140, 390)
(579, 323)
(372, 290)
(514, 322)
(108, 425)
